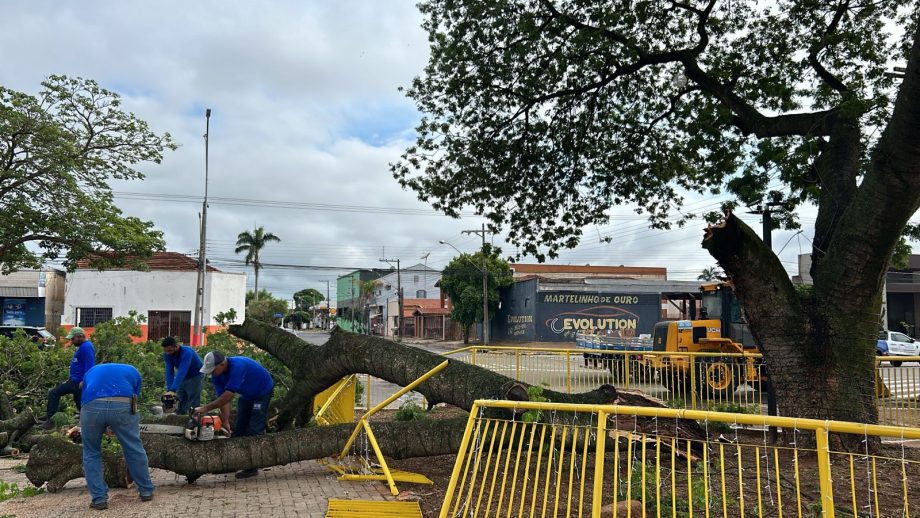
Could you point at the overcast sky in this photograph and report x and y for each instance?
(305, 111)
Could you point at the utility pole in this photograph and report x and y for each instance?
(485, 284)
(328, 307)
(399, 295)
(766, 210)
(198, 337)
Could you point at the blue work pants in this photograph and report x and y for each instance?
(94, 418)
(189, 394)
(251, 415)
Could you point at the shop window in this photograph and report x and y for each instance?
(91, 317)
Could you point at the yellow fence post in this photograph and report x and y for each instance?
(474, 356)
(568, 370)
(458, 464)
(599, 465)
(824, 473)
(517, 365)
(693, 381)
(626, 369)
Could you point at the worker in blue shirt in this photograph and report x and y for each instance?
(84, 358)
(243, 376)
(110, 393)
(183, 376)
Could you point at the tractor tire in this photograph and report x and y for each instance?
(895, 363)
(715, 379)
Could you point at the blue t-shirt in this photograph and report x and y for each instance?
(181, 367)
(111, 380)
(84, 358)
(245, 377)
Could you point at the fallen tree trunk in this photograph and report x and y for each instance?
(314, 368)
(14, 428)
(56, 460)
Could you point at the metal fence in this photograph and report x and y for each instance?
(554, 465)
(699, 381)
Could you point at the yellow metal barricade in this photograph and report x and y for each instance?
(336, 405)
(594, 460)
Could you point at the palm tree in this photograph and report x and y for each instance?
(252, 243)
(709, 274)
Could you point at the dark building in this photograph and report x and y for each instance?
(554, 310)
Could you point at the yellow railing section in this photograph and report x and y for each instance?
(546, 459)
(699, 381)
(336, 405)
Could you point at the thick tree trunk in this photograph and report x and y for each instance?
(16, 427)
(55, 460)
(820, 356)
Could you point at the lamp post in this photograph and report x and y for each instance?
(485, 289)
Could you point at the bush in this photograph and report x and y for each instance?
(410, 411)
(28, 373)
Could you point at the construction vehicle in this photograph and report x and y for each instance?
(720, 330)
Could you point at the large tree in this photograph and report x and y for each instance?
(544, 114)
(252, 243)
(59, 150)
(461, 280)
(307, 298)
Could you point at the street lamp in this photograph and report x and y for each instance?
(485, 292)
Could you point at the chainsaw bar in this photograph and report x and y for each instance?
(162, 429)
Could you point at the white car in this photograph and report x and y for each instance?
(892, 343)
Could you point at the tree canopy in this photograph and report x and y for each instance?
(307, 297)
(461, 280)
(59, 150)
(543, 115)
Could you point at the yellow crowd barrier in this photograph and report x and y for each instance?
(546, 459)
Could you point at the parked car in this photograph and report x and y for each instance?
(892, 343)
(39, 335)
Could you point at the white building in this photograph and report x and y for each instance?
(164, 295)
(418, 282)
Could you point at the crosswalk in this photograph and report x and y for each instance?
(902, 382)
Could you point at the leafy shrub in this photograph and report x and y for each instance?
(410, 411)
(12, 490)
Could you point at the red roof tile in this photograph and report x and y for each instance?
(161, 261)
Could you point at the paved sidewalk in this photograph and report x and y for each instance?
(299, 489)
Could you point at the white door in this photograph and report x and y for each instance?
(905, 346)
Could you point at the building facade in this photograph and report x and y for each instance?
(554, 310)
(164, 295)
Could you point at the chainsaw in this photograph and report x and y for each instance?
(198, 428)
(169, 402)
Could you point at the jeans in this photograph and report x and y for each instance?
(251, 415)
(54, 396)
(94, 418)
(189, 394)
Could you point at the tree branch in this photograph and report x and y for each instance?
(821, 44)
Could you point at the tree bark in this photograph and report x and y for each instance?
(12, 429)
(55, 460)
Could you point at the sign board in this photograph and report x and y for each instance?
(14, 312)
(560, 315)
(332, 311)
(278, 315)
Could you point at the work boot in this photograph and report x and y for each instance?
(48, 425)
(99, 506)
(246, 473)
(146, 498)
